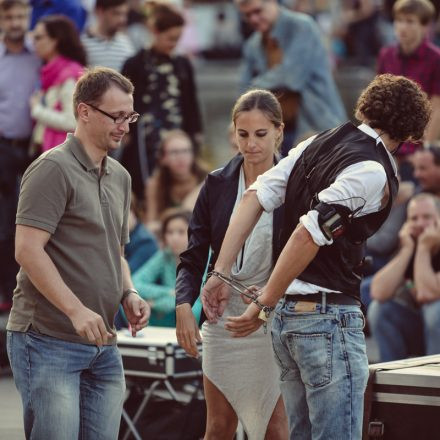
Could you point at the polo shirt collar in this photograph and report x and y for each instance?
(82, 157)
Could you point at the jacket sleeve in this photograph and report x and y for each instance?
(191, 109)
(194, 260)
(61, 119)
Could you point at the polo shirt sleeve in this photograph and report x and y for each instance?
(43, 196)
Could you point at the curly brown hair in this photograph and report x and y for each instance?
(396, 105)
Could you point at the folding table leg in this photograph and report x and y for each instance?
(131, 426)
(142, 406)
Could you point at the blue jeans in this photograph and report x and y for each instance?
(324, 370)
(402, 332)
(69, 391)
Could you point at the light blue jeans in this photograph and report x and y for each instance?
(69, 391)
(324, 370)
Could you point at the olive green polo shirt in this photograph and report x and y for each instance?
(63, 193)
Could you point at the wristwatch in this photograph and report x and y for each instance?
(127, 292)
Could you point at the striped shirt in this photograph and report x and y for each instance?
(107, 52)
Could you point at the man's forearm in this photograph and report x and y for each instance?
(299, 251)
(242, 222)
(46, 278)
(425, 279)
(386, 281)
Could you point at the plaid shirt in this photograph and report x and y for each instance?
(422, 66)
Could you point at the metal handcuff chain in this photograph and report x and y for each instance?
(242, 289)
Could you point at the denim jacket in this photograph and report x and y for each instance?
(305, 69)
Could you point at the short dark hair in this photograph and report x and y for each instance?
(95, 82)
(107, 4)
(396, 105)
(163, 16)
(63, 30)
(5, 5)
(423, 9)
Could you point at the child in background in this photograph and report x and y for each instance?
(156, 279)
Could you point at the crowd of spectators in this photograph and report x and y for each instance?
(47, 45)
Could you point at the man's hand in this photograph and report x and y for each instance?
(90, 326)
(245, 324)
(187, 330)
(137, 312)
(405, 236)
(215, 297)
(430, 237)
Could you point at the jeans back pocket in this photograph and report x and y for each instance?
(313, 355)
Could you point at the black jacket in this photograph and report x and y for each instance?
(207, 229)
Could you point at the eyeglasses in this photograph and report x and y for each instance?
(132, 117)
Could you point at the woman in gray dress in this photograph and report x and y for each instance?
(240, 375)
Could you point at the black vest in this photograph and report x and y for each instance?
(335, 266)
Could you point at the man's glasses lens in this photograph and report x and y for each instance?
(130, 118)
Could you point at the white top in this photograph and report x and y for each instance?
(360, 184)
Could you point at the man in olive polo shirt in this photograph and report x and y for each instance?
(71, 228)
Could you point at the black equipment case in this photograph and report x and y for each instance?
(402, 400)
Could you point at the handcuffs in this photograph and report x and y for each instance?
(265, 311)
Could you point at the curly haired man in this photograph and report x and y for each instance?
(337, 188)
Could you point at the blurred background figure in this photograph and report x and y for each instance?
(382, 246)
(405, 316)
(141, 247)
(306, 89)
(142, 243)
(70, 8)
(58, 45)
(165, 93)
(177, 179)
(105, 42)
(415, 57)
(137, 29)
(360, 23)
(426, 163)
(156, 279)
(19, 73)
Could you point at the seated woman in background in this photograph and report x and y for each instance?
(57, 43)
(164, 92)
(177, 179)
(156, 279)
